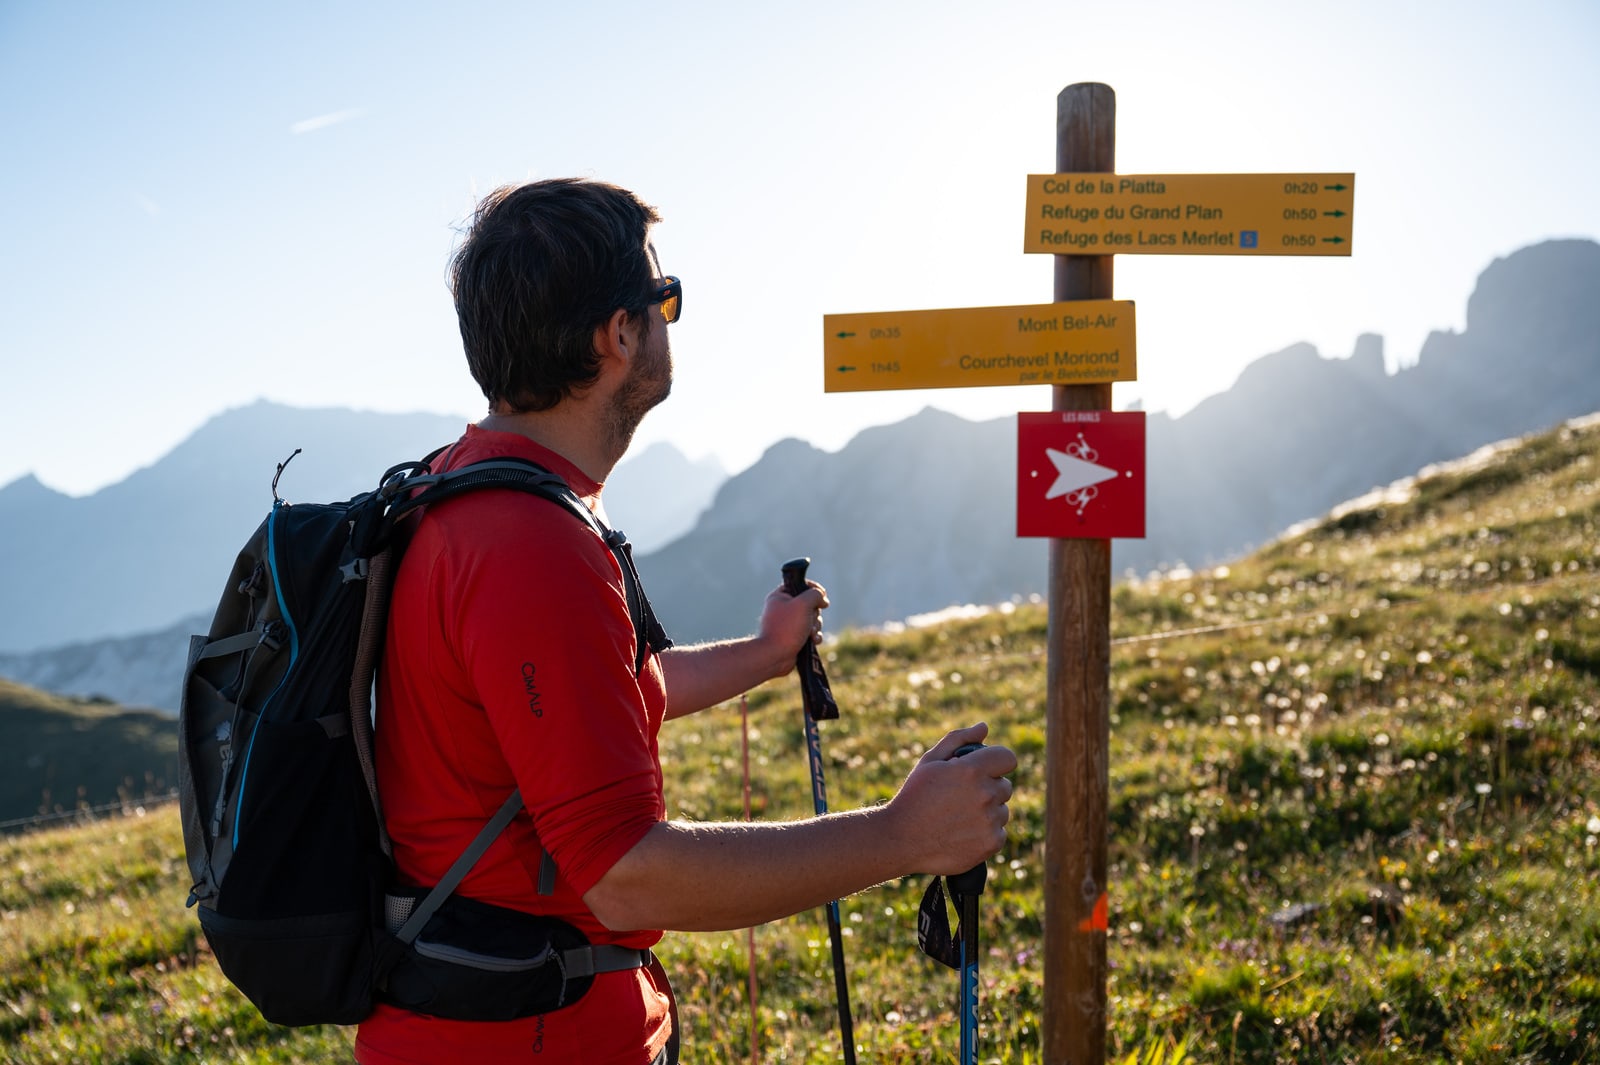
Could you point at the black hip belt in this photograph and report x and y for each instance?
(473, 961)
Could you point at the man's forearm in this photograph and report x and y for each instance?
(713, 877)
(707, 674)
(949, 815)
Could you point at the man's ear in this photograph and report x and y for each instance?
(616, 341)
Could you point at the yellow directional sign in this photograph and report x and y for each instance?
(1190, 214)
(1076, 342)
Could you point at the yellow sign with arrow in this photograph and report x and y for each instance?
(1080, 342)
(1190, 214)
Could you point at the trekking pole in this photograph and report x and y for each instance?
(817, 698)
(966, 887)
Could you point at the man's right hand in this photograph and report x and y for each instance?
(789, 622)
(953, 811)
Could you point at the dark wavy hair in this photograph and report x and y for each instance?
(542, 266)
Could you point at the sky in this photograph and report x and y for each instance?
(202, 205)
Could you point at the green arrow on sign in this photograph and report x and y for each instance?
(1337, 188)
(1333, 240)
(847, 369)
(1333, 214)
(841, 336)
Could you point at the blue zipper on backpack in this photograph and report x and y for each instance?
(294, 653)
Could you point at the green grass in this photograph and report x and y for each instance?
(1390, 721)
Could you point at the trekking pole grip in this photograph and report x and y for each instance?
(815, 691)
(794, 575)
(970, 882)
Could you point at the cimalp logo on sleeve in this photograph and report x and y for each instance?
(530, 688)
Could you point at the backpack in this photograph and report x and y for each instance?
(282, 824)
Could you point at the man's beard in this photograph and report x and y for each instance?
(649, 382)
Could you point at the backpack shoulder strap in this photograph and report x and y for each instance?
(460, 867)
(525, 476)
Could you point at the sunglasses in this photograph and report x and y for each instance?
(670, 295)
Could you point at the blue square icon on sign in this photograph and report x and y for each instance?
(1248, 238)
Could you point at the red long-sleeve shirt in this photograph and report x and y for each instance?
(510, 663)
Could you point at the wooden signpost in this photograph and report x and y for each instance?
(1084, 214)
(1078, 673)
(1080, 473)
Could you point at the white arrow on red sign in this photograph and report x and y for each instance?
(1074, 474)
(1101, 482)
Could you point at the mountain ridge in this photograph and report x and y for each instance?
(1297, 434)
(916, 516)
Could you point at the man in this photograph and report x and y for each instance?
(511, 663)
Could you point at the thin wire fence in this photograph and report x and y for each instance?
(131, 807)
(87, 814)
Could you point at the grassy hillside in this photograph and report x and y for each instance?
(59, 754)
(1355, 818)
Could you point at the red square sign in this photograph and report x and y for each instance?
(1080, 474)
